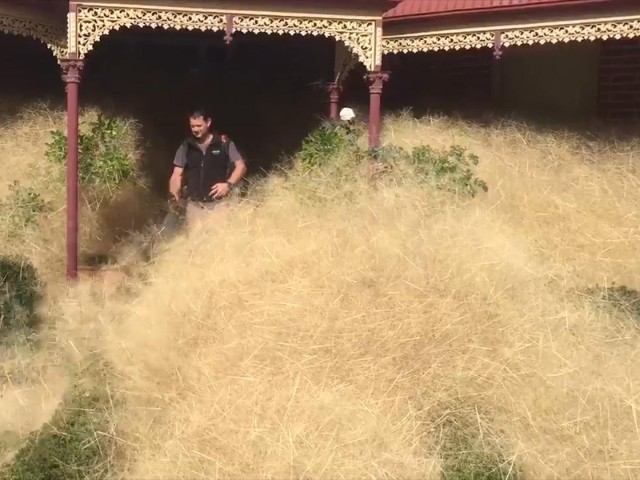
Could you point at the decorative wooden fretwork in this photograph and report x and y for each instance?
(572, 33)
(93, 22)
(432, 43)
(514, 35)
(53, 36)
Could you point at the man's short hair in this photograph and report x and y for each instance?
(200, 112)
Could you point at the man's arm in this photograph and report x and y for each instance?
(220, 190)
(179, 162)
(175, 182)
(239, 166)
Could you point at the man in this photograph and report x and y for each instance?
(210, 166)
(347, 115)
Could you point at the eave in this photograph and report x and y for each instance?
(552, 6)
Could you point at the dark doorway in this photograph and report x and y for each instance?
(265, 92)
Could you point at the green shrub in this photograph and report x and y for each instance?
(20, 292)
(451, 170)
(327, 142)
(321, 146)
(468, 453)
(335, 145)
(448, 169)
(390, 155)
(22, 208)
(103, 159)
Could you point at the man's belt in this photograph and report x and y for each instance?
(206, 199)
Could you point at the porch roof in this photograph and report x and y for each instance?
(357, 24)
(42, 5)
(329, 7)
(418, 9)
(52, 10)
(44, 20)
(432, 25)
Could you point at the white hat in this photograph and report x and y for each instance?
(347, 114)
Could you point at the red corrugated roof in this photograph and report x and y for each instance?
(412, 8)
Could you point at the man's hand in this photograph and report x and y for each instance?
(220, 190)
(175, 205)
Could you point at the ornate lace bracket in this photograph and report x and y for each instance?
(510, 36)
(357, 35)
(52, 36)
(94, 22)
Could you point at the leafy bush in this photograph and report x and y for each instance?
(20, 292)
(327, 142)
(22, 208)
(448, 169)
(321, 145)
(102, 156)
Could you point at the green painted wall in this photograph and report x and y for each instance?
(554, 82)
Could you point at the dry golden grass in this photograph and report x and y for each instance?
(34, 375)
(23, 146)
(32, 380)
(338, 328)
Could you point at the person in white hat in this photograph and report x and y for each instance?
(347, 114)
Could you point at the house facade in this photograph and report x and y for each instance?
(567, 59)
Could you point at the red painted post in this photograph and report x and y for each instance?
(228, 35)
(71, 76)
(334, 90)
(376, 81)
